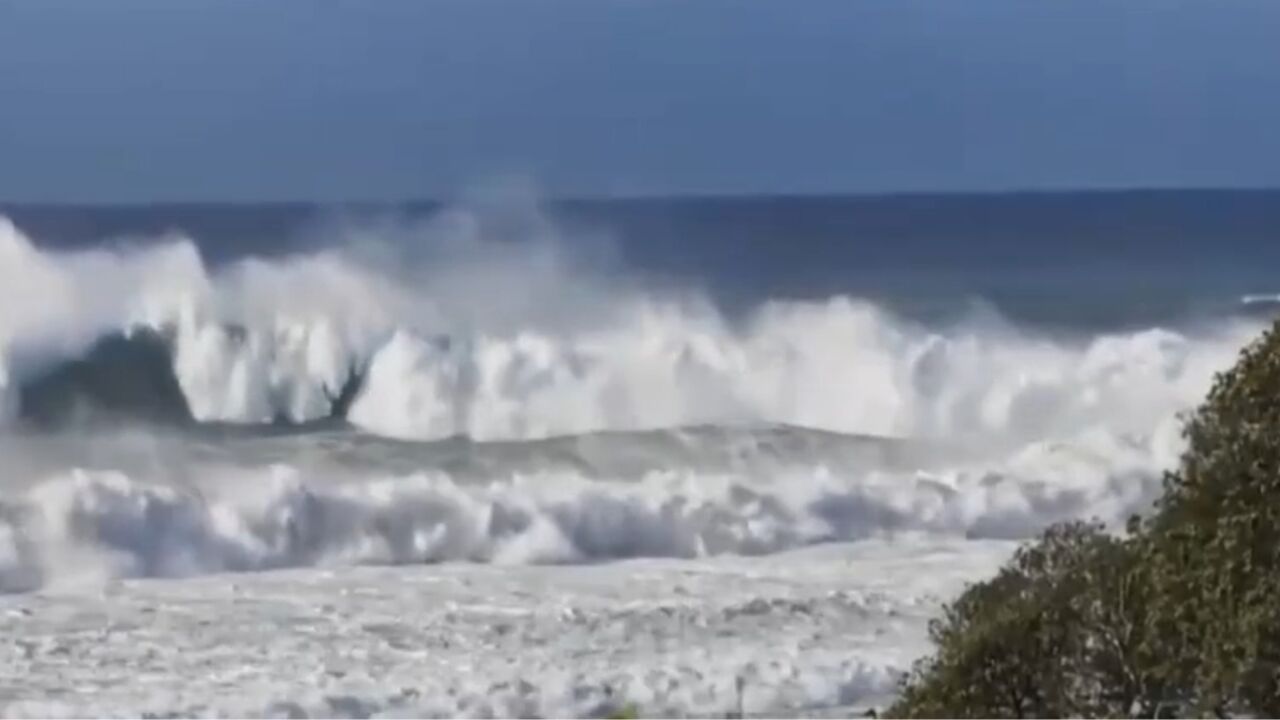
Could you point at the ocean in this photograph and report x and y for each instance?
(503, 455)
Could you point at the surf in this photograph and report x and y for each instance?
(379, 401)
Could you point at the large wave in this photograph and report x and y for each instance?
(562, 352)
(426, 333)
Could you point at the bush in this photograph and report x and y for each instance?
(1058, 632)
(1180, 616)
(1213, 544)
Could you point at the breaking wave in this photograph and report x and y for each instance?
(529, 358)
(324, 335)
(108, 524)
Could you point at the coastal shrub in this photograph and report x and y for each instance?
(1180, 615)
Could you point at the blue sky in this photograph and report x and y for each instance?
(356, 99)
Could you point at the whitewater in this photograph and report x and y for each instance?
(427, 471)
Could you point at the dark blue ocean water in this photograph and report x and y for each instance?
(1097, 259)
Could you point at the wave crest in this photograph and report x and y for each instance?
(334, 333)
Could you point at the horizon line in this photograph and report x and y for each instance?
(647, 197)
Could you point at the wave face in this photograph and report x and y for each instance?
(120, 376)
(514, 402)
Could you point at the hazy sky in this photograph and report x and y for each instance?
(382, 99)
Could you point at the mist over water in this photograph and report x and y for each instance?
(481, 385)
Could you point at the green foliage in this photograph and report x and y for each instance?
(1213, 544)
(1181, 616)
(1057, 632)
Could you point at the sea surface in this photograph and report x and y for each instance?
(502, 455)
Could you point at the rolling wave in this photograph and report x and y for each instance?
(334, 336)
(109, 523)
(507, 404)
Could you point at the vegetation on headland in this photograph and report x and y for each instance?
(1179, 616)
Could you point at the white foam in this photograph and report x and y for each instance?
(237, 519)
(843, 365)
(823, 630)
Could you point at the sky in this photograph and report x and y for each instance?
(158, 100)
